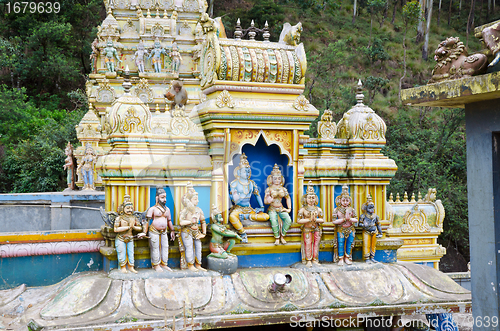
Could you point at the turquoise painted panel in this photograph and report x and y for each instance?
(42, 270)
(204, 200)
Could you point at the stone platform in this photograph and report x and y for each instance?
(148, 300)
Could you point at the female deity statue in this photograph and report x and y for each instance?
(311, 217)
(69, 166)
(139, 57)
(218, 247)
(273, 197)
(344, 217)
(191, 218)
(176, 58)
(240, 191)
(93, 56)
(87, 168)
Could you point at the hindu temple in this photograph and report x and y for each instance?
(217, 205)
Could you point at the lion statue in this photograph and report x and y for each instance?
(290, 35)
(453, 62)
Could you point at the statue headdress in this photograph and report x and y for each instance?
(309, 191)
(215, 211)
(368, 201)
(275, 172)
(126, 202)
(160, 190)
(186, 198)
(243, 164)
(344, 194)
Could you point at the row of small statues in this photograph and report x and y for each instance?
(111, 54)
(194, 228)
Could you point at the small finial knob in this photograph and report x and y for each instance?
(405, 197)
(127, 85)
(237, 30)
(266, 33)
(251, 31)
(413, 197)
(391, 198)
(359, 93)
(397, 198)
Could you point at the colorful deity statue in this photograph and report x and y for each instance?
(156, 53)
(87, 167)
(240, 191)
(139, 56)
(111, 54)
(69, 166)
(124, 225)
(176, 58)
(370, 223)
(158, 236)
(273, 197)
(311, 218)
(344, 217)
(218, 247)
(93, 56)
(191, 219)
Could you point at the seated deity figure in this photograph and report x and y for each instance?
(344, 217)
(158, 236)
(176, 58)
(218, 247)
(139, 57)
(240, 191)
(124, 226)
(156, 53)
(370, 223)
(110, 55)
(273, 197)
(191, 218)
(86, 167)
(311, 218)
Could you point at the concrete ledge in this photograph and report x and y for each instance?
(51, 211)
(454, 93)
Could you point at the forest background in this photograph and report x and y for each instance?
(44, 62)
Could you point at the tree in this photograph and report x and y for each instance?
(425, 48)
(411, 14)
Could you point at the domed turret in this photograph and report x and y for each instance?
(128, 114)
(361, 124)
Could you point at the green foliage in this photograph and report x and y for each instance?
(374, 84)
(33, 141)
(48, 54)
(375, 52)
(412, 12)
(431, 152)
(377, 7)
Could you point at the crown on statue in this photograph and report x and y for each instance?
(276, 171)
(244, 162)
(310, 189)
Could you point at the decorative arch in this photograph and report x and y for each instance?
(283, 139)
